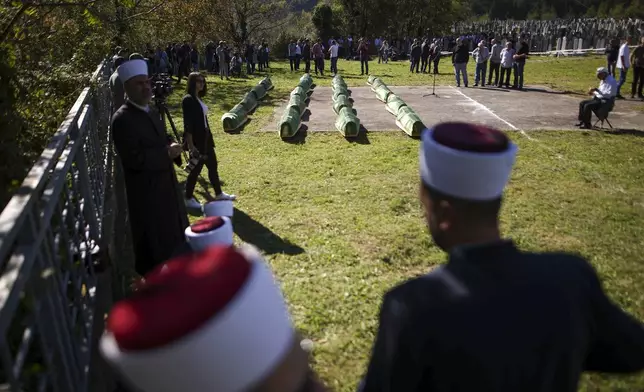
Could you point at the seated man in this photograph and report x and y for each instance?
(604, 94)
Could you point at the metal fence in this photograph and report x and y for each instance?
(56, 242)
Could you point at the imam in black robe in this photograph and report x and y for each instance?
(157, 215)
(497, 319)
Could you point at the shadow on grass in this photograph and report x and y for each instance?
(253, 232)
(362, 137)
(300, 136)
(618, 131)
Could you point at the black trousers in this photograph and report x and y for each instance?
(638, 81)
(291, 60)
(505, 73)
(423, 64)
(436, 61)
(415, 63)
(213, 175)
(364, 67)
(494, 68)
(586, 109)
(307, 65)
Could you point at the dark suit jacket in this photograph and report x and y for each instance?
(498, 319)
(193, 123)
(157, 216)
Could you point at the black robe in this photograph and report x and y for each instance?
(157, 215)
(497, 319)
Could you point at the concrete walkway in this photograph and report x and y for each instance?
(534, 109)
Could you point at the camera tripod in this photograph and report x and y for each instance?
(433, 87)
(165, 113)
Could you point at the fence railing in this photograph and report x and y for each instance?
(56, 242)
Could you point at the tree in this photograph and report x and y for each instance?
(322, 19)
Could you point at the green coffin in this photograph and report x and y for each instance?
(235, 118)
(409, 121)
(382, 92)
(306, 81)
(394, 103)
(300, 91)
(298, 103)
(371, 79)
(376, 83)
(340, 92)
(347, 123)
(267, 83)
(259, 91)
(341, 102)
(249, 102)
(289, 123)
(337, 82)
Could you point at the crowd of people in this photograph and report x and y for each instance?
(212, 317)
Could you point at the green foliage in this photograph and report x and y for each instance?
(550, 9)
(322, 19)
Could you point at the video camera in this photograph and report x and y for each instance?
(161, 87)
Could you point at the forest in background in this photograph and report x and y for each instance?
(49, 48)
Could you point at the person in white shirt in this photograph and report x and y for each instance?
(298, 55)
(507, 62)
(333, 54)
(605, 94)
(481, 54)
(623, 64)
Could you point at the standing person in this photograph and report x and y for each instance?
(198, 138)
(460, 58)
(157, 218)
(612, 52)
(214, 320)
(249, 59)
(481, 54)
(116, 86)
(495, 62)
(306, 56)
(436, 55)
(519, 64)
(260, 57)
(363, 52)
(507, 62)
(222, 55)
(493, 318)
(194, 58)
(637, 60)
(333, 55)
(414, 55)
(623, 64)
(318, 56)
(298, 54)
(266, 55)
(384, 51)
(292, 52)
(424, 55)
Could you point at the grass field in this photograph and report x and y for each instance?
(340, 221)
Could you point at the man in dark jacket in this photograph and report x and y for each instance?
(414, 55)
(460, 58)
(493, 318)
(306, 55)
(157, 217)
(424, 55)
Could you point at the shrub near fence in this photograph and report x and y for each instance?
(57, 236)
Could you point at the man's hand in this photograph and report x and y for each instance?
(174, 150)
(591, 91)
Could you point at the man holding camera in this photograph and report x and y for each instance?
(156, 216)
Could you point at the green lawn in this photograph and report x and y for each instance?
(341, 223)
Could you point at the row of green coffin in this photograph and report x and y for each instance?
(290, 121)
(347, 123)
(238, 115)
(406, 118)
